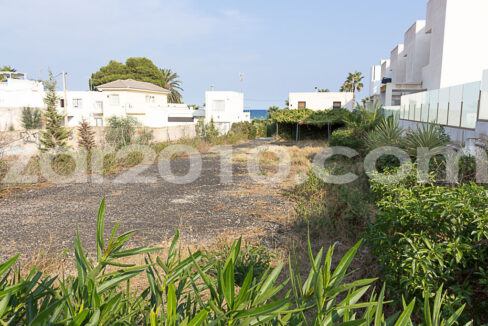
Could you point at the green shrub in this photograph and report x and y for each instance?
(343, 209)
(244, 127)
(121, 130)
(363, 120)
(63, 164)
(347, 138)
(207, 131)
(145, 136)
(427, 235)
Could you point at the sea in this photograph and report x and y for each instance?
(257, 114)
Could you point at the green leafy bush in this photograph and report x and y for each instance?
(363, 120)
(427, 235)
(121, 130)
(207, 131)
(347, 138)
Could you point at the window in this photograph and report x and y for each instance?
(61, 103)
(114, 99)
(337, 105)
(77, 102)
(99, 105)
(149, 99)
(219, 105)
(302, 105)
(99, 122)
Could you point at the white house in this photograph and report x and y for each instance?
(225, 108)
(144, 101)
(321, 100)
(444, 50)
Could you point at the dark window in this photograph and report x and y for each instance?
(302, 105)
(180, 119)
(61, 103)
(337, 105)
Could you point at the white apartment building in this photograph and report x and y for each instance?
(225, 108)
(146, 102)
(318, 101)
(444, 50)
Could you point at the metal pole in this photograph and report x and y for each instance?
(298, 130)
(328, 130)
(65, 100)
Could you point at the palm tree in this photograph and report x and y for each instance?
(352, 84)
(172, 83)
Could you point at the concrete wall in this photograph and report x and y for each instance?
(27, 142)
(321, 101)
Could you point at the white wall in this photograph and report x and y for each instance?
(465, 52)
(225, 108)
(375, 80)
(398, 64)
(321, 101)
(417, 50)
(151, 109)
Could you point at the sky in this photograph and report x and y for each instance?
(280, 46)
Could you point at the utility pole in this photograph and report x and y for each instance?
(241, 79)
(65, 100)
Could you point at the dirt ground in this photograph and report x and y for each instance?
(42, 221)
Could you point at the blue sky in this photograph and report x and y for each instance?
(281, 46)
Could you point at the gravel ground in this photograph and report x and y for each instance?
(204, 210)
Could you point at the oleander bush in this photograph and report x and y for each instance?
(426, 235)
(185, 289)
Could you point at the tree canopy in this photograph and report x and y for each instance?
(141, 69)
(307, 116)
(7, 68)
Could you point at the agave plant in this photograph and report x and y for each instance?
(428, 136)
(386, 133)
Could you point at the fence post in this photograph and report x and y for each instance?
(298, 130)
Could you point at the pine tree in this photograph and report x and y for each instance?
(87, 139)
(55, 135)
(31, 118)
